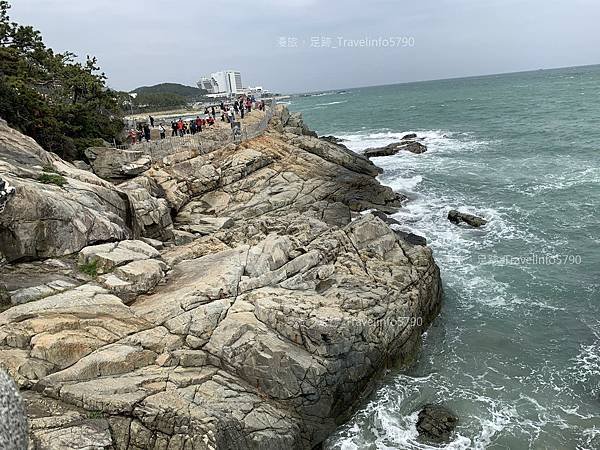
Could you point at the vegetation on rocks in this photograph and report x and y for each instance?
(63, 104)
(52, 178)
(90, 268)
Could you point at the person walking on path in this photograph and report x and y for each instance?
(173, 128)
(132, 136)
(198, 124)
(152, 121)
(146, 129)
(180, 127)
(231, 117)
(163, 131)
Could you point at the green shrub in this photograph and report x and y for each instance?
(52, 178)
(90, 268)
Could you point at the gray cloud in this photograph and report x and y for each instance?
(150, 41)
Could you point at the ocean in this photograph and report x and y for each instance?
(516, 350)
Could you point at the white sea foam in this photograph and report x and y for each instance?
(388, 421)
(332, 103)
(379, 138)
(586, 365)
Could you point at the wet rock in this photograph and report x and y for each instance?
(458, 217)
(387, 219)
(409, 136)
(436, 423)
(332, 139)
(411, 238)
(395, 147)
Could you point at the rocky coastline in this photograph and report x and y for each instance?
(222, 296)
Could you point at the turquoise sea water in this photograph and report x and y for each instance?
(516, 350)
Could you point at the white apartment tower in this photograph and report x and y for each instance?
(227, 82)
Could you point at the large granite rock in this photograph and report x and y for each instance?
(266, 332)
(56, 209)
(152, 210)
(112, 163)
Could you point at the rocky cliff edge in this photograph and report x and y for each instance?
(226, 298)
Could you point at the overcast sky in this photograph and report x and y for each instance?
(289, 45)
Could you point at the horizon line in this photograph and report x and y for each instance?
(444, 79)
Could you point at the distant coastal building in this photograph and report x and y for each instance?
(223, 83)
(207, 84)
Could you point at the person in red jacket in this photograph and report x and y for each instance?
(180, 127)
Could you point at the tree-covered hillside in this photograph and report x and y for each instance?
(165, 95)
(188, 92)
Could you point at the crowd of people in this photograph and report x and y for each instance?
(229, 113)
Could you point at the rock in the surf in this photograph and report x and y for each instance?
(436, 422)
(409, 136)
(332, 139)
(458, 217)
(387, 219)
(411, 238)
(395, 147)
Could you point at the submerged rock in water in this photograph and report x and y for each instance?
(395, 147)
(458, 217)
(409, 136)
(436, 422)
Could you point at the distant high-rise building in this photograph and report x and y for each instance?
(207, 84)
(226, 82)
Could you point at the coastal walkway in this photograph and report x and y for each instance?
(211, 137)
